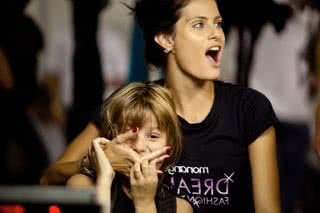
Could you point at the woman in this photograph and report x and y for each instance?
(228, 162)
(148, 111)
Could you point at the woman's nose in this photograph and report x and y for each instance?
(213, 35)
(216, 32)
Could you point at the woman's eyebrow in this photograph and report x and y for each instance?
(197, 17)
(204, 18)
(218, 17)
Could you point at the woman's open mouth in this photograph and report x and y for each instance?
(214, 55)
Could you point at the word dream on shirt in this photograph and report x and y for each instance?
(205, 190)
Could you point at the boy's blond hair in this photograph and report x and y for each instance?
(127, 108)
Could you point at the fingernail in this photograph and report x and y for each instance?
(160, 172)
(134, 129)
(169, 148)
(166, 157)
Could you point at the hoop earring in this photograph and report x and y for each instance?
(166, 51)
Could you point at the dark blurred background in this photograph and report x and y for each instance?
(60, 58)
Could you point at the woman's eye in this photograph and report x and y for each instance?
(218, 24)
(198, 25)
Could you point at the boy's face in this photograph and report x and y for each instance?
(149, 137)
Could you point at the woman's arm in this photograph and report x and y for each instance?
(120, 156)
(183, 206)
(68, 163)
(265, 178)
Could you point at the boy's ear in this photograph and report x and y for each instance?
(164, 40)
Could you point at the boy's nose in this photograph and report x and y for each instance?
(139, 144)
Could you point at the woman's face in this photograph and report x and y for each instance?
(198, 40)
(149, 137)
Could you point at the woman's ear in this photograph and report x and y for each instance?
(165, 41)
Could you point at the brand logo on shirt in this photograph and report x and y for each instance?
(188, 169)
(209, 191)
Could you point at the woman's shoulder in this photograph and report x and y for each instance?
(183, 206)
(235, 90)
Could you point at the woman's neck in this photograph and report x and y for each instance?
(193, 98)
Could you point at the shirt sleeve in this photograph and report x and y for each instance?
(258, 115)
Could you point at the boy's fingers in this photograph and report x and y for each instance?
(152, 167)
(137, 171)
(97, 147)
(159, 172)
(101, 158)
(132, 178)
(145, 167)
(158, 153)
(101, 142)
(160, 159)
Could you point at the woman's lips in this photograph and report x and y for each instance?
(214, 55)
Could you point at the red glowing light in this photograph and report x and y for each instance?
(54, 209)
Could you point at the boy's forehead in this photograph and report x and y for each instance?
(145, 118)
(150, 118)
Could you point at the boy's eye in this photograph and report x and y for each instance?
(154, 136)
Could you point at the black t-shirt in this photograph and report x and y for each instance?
(214, 171)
